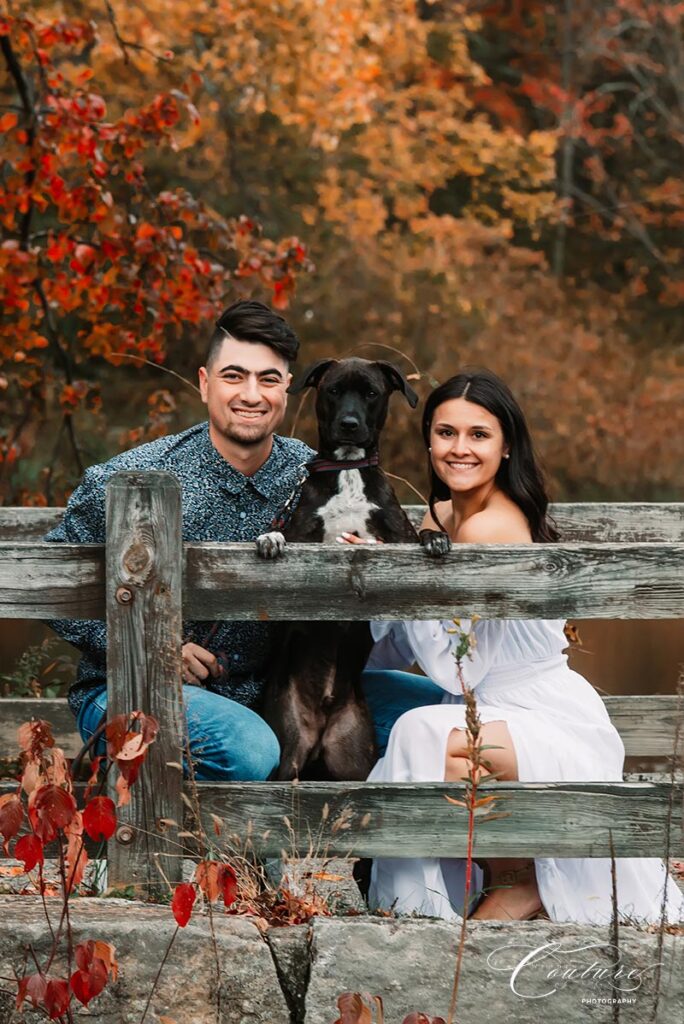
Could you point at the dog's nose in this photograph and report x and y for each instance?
(349, 423)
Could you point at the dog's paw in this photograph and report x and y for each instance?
(435, 544)
(270, 545)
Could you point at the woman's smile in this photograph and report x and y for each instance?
(467, 445)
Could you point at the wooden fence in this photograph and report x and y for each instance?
(616, 561)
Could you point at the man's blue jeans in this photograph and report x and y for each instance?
(231, 743)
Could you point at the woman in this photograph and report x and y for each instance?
(542, 721)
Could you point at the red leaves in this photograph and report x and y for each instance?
(31, 986)
(123, 268)
(182, 903)
(354, 1009)
(99, 818)
(129, 748)
(146, 231)
(422, 1018)
(7, 122)
(76, 857)
(216, 879)
(53, 813)
(11, 817)
(51, 809)
(56, 998)
(35, 736)
(87, 984)
(82, 258)
(50, 993)
(77, 394)
(29, 849)
(95, 961)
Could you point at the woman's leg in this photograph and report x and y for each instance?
(391, 693)
(511, 885)
(228, 741)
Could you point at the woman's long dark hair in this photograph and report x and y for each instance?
(519, 476)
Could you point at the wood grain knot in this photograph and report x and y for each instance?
(356, 580)
(138, 560)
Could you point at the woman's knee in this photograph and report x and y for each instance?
(412, 734)
(497, 759)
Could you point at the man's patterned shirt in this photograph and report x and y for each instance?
(219, 504)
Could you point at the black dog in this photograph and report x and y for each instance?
(313, 700)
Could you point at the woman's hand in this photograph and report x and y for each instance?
(351, 538)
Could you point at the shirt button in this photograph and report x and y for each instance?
(236, 657)
(242, 515)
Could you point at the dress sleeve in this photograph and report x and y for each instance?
(433, 645)
(392, 649)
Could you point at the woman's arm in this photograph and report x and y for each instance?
(433, 645)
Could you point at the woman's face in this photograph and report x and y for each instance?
(467, 444)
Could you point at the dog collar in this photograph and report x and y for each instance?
(335, 465)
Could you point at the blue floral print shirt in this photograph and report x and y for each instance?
(220, 504)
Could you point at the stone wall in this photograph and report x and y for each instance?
(293, 975)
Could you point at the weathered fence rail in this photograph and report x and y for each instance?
(592, 580)
(647, 725)
(615, 561)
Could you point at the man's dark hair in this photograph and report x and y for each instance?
(248, 320)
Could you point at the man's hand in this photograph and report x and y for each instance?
(198, 664)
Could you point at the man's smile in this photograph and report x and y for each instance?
(248, 414)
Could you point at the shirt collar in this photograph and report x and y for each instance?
(266, 479)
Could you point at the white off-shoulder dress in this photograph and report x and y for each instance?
(561, 733)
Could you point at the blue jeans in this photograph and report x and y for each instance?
(228, 741)
(389, 693)
(231, 743)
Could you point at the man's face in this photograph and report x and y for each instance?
(245, 391)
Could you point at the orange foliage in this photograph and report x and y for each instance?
(466, 199)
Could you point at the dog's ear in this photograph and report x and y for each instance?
(311, 378)
(397, 382)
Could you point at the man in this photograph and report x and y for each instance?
(236, 474)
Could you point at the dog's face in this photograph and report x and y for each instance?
(352, 400)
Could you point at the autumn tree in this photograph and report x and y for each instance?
(97, 262)
(443, 167)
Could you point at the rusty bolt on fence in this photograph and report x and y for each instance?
(125, 835)
(124, 595)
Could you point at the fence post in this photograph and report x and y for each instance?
(144, 580)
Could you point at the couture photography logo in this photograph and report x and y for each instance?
(599, 972)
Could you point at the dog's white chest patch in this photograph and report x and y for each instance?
(348, 510)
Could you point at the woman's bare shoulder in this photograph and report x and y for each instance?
(500, 523)
(445, 513)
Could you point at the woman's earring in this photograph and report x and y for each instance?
(506, 456)
(430, 449)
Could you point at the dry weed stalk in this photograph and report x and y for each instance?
(676, 764)
(474, 805)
